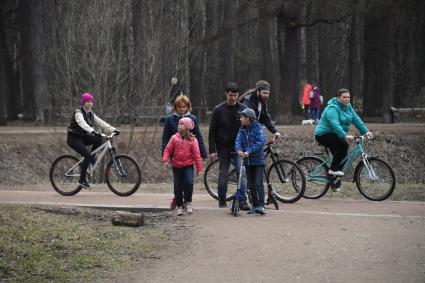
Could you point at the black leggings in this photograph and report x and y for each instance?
(338, 148)
(79, 144)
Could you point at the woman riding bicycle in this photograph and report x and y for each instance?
(81, 133)
(332, 130)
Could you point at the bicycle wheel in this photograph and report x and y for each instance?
(376, 183)
(123, 176)
(211, 180)
(317, 177)
(64, 175)
(287, 180)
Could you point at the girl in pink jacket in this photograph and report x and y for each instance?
(184, 148)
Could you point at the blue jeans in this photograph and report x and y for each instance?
(225, 157)
(254, 175)
(183, 184)
(315, 114)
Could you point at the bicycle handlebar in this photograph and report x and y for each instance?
(108, 137)
(361, 138)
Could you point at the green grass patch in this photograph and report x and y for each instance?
(68, 245)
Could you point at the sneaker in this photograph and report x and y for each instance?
(336, 186)
(84, 184)
(260, 210)
(189, 208)
(251, 211)
(336, 173)
(180, 211)
(244, 206)
(222, 204)
(173, 204)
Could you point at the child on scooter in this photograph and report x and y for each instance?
(249, 145)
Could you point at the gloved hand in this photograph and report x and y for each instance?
(116, 132)
(369, 135)
(96, 134)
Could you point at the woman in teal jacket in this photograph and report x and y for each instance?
(332, 130)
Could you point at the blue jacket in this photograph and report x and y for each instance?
(251, 139)
(336, 119)
(171, 127)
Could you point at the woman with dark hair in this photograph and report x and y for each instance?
(332, 130)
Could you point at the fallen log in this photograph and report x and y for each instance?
(124, 218)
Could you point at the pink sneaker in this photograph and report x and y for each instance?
(173, 203)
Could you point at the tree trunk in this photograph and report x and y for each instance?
(32, 60)
(288, 17)
(379, 66)
(6, 78)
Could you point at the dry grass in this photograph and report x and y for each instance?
(26, 154)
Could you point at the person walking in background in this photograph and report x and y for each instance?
(82, 133)
(184, 148)
(181, 108)
(249, 145)
(315, 103)
(305, 100)
(223, 130)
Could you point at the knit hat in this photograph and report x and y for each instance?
(86, 97)
(188, 123)
(262, 85)
(248, 112)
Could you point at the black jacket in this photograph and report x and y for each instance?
(224, 126)
(264, 118)
(75, 129)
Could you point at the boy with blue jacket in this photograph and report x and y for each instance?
(249, 145)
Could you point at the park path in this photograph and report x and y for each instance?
(286, 246)
(309, 241)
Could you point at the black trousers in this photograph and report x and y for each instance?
(338, 148)
(79, 144)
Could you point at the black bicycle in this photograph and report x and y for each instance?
(285, 179)
(122, 174)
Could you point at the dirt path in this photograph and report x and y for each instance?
(310, 241)
(296, 247)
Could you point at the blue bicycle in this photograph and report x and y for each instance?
(374, 178)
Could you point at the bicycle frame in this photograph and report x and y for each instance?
(103, 149)
(275, 157)
(352, 155)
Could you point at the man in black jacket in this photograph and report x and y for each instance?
(258, 102)
(223, 130)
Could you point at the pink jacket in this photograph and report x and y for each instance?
(185, 152)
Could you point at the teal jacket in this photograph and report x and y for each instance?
(336, 119)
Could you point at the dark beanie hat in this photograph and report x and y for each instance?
(262, 85)
(233, 87)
